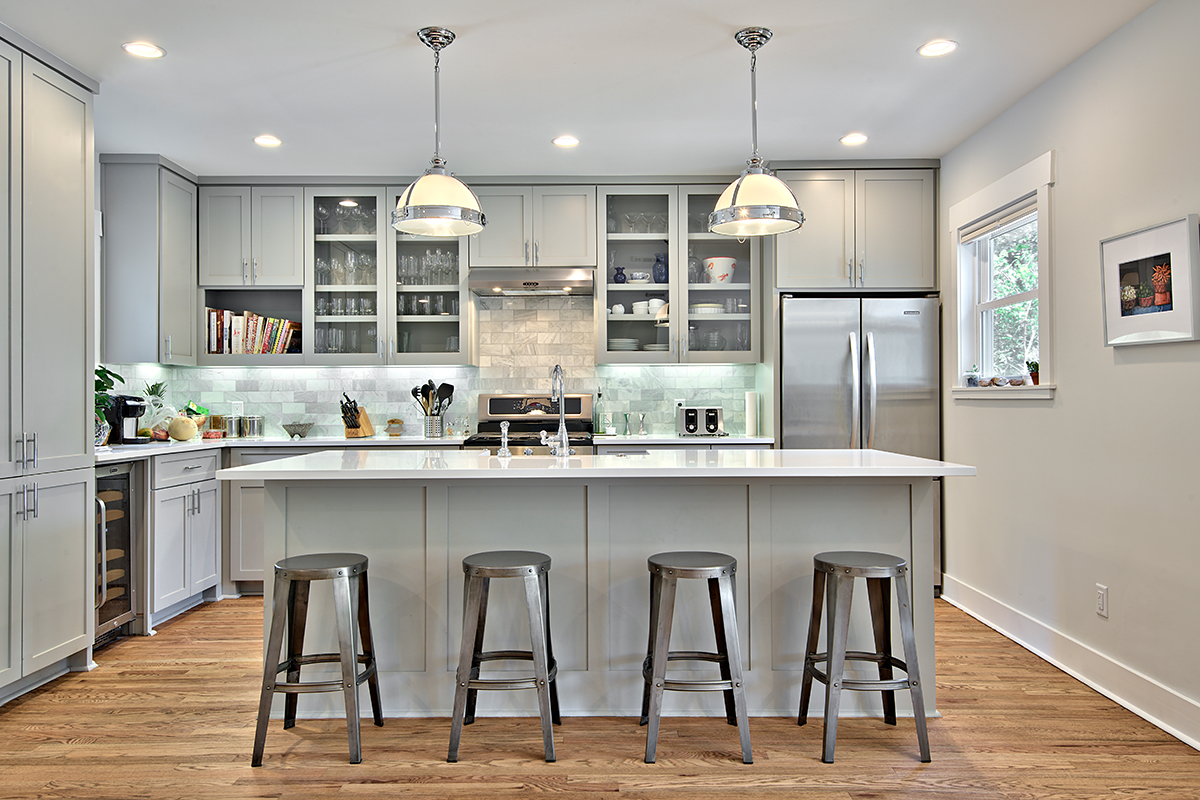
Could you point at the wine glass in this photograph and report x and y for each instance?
(321, 212)
(631, 222)
(343, 219)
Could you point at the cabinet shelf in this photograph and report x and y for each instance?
(429, 318)
(639, 287)
(640, 237)
(717, 317)
(250, 359)
(337, 287)
(431, 288)
(346, 318)
(344, 237)
(718, 287)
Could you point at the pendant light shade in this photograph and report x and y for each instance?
(757, 203)
(437, 203)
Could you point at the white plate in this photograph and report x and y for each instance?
(631, 280)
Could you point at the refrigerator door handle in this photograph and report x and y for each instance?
(855, 387)
(872, 393)
(102, 578)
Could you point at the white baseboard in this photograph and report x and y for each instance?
(1159, 705)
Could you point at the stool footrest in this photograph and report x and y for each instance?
(689, 685)
(522, 682)
(864, 684)
(288, 687)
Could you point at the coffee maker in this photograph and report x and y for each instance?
(123, 414)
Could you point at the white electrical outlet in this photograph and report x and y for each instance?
(679, 403)
(237, 408)
(1102, 600)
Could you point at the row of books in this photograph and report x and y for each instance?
(250, 333)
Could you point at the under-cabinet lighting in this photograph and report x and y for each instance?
(144, 50)
(347, 203)
(565, 141)
(853, 138)
(267, 140)
(938, 47)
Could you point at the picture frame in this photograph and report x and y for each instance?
(1150, 286)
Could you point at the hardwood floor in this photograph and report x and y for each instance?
(172, 716)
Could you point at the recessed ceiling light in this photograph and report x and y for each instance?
(853, 138)
(565, 141)
(938, 47)
(144, 50)
(267, 140)
(348, 203)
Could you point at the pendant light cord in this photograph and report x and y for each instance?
(437, 105)
(754, 104)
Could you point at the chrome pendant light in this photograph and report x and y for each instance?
(757, 203)
(437, 203)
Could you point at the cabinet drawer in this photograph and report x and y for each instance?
(180, 468)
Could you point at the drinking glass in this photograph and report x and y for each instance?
(439, 304)
(338, 271)
(454, 304)
(321, 271)
(367, 306)
(352, 339)
(451, 344)
(321, 212)
(369, 221)
(630, 222)
(322, 305)
(352, 268)
(742, 336)
(343, 219)
(423, 304)
(352, 305)
(371, 339)
(322, 340)
(337, 306)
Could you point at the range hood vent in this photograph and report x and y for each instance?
(504, 282)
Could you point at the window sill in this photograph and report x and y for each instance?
(1041, 392)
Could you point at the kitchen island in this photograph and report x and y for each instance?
(416, 514)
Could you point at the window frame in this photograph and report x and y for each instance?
(1013, 216)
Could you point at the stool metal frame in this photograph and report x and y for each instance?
(479, 569)
(348, 571)
(719, 570)
(833, 581)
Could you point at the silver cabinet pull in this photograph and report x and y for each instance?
(245, 267)
(193, 466)
(35, 501)
(24, 512)
(21, 444)
(527, 252)
(254, 272)
(168, 347)
(861, 280)
(101, 561)
(33, 436)
(535, 252)
(850, 272)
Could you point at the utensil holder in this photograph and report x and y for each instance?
(364, 428)
(433, 427)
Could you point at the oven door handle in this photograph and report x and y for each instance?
(102, 561)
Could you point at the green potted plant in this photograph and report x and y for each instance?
(1032, 366)
(971, 377)
(106, 380)
(1145, 295)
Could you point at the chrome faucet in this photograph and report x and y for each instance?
(504, 452)
(559, 444)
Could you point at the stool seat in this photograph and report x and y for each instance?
(833, 584)
(719, 570)
(479, 568)
(293, 575)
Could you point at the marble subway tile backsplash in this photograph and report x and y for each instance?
(520, 341)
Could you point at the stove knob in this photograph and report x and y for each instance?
(528, 451)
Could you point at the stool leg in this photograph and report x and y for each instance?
(368, 647)
(473, 591)
(544, 590)
(297, 619)
(810, 650)
(473, 694)
(270, 666)
(733, 663)
(839, 591)
(910, 660)
(714, 599)
(881, 622)
(661, 633)
(345, 605)
(655, 592)
(541, 664)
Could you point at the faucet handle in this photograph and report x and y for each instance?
(504, 452)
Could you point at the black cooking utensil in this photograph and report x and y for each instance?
(445, 393)
(349, 412)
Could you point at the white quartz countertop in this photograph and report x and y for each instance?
(658, 440)
(415, 464)
(135, 452)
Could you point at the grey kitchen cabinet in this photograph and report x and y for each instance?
(47, 584)
(245, 546)
(536, 226)
(185, 515)
(149, 253)
(46, 226)
(863, 230)
(251, 236)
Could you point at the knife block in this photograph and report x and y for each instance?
(364, 428)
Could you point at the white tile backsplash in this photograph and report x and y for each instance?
(520, 341)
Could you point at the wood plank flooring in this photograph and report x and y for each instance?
(172, 716)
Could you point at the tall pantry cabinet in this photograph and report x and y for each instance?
(47, 486)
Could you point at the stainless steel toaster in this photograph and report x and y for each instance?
(700, 421)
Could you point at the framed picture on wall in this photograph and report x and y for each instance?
(1151, 291)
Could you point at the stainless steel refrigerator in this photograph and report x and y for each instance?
(863, 372)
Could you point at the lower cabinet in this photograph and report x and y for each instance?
(186, 558)
(47, 585)
(246, 512)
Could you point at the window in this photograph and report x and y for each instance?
(1002, 241)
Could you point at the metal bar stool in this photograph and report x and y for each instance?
(348, 571)
(878, 569)
(719, 570)
(479, 569)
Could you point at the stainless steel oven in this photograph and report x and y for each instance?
(527, 415)
(116, 556)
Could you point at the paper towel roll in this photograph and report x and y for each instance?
(752, 413)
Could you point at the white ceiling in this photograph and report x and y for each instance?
(650, 87)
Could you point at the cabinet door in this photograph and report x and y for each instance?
(10, 272)
(564, 226)
(246, 531)
(59, 552)
(204, 563)
(224, 236)
(894, 233)
(170, 513)
(821, 253)
(176, 269)
(10, 582)
(506, 240)
(57, 221)
(277, 235)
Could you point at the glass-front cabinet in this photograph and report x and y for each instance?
(429, 305)
(346, 267)
(667, 290)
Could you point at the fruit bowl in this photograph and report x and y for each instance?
(297, 429)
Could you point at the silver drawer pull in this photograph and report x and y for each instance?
(193, 466)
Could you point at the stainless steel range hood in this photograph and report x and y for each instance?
(502, 281)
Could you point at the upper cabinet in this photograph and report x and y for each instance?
(149, 252)
(251, 236)
(863, 229)
(536, 226)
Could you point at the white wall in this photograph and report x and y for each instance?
(1100, 484)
